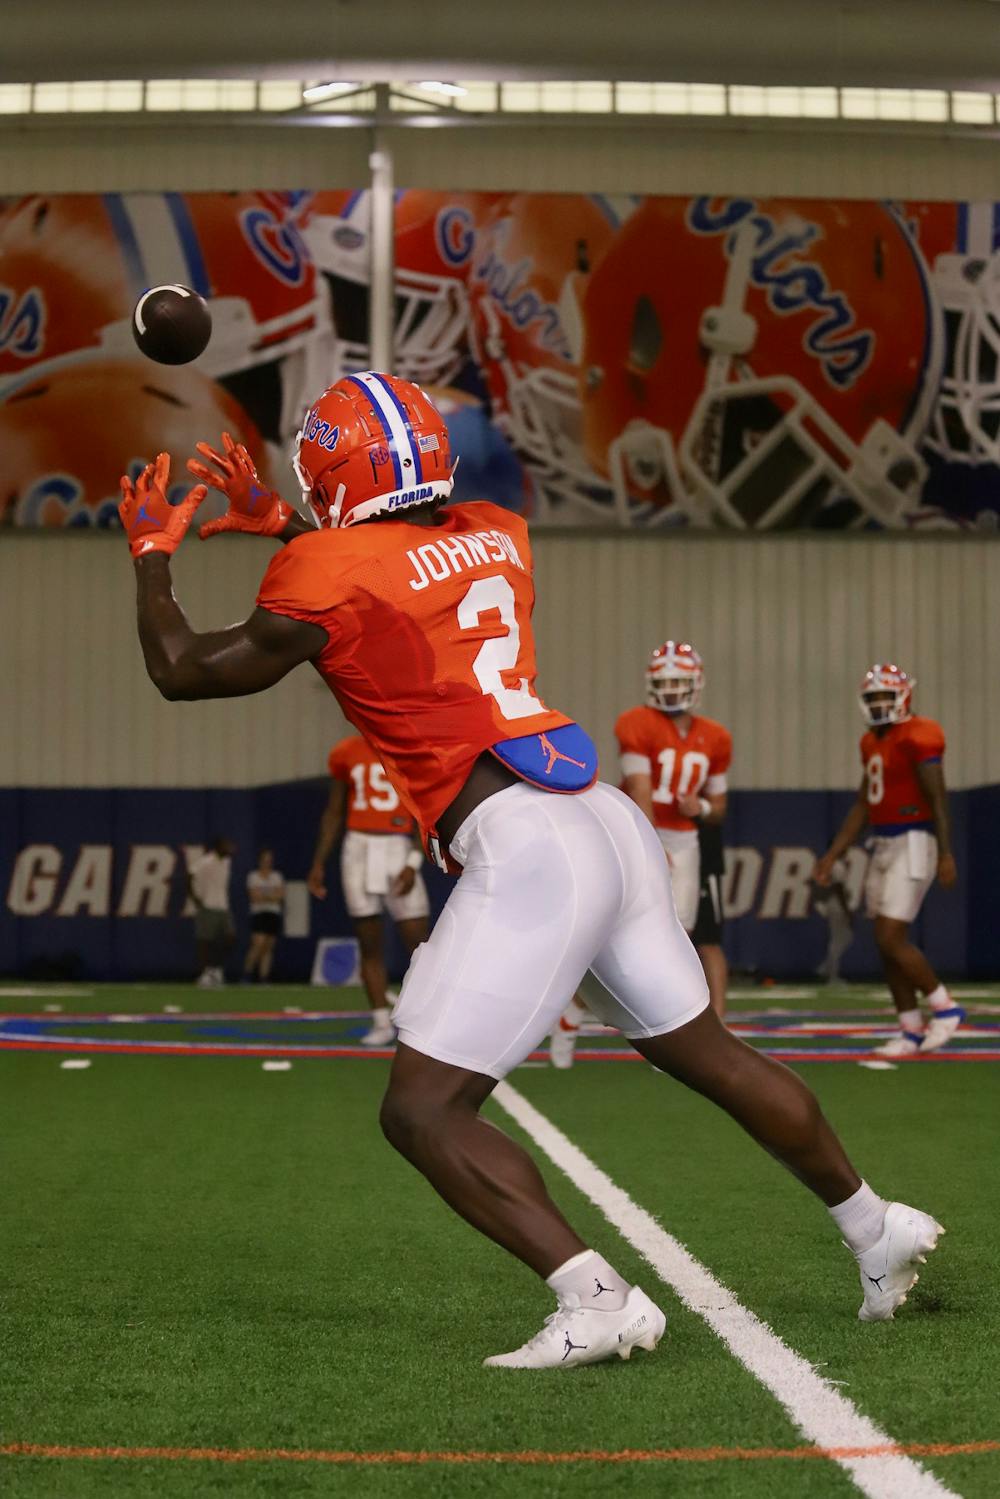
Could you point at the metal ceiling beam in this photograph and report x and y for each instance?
(893, 43)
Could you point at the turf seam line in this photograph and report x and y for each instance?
(529, 1457)
(824, 1416)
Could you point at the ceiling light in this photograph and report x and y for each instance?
(318, 91)
(453, 90)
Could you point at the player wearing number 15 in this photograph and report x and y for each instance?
(902, 799)
(419, 619)
(379, 867)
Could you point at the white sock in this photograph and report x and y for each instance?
(860, 1218)
(911, 1020)
(589, 1276)
(380, 1017)
(939, 998)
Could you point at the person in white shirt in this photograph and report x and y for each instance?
(266, 891)
(208, 887)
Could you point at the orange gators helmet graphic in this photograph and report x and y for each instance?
(885, 694)
(675, 676)
(534, 255)
(758, 362)
(71, 269)
(372, 444)
(433, 246)
(68, 432)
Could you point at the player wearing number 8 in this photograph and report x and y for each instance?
(902, 799)
(419, 620)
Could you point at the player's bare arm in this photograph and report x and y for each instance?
(849, 832)
(407, 876)
(930, 774)
(640, 788)
(183, 664)
(330, 825)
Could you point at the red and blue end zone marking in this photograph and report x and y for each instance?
(324, 1034)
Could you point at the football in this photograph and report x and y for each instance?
(171, 324)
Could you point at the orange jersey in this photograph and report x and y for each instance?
(373, 804)
(429, 650)
(650, 743)
(896, 799)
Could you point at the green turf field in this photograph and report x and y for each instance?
(201, 1255)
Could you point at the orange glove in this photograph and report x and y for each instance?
(252, 506)
(151, 523)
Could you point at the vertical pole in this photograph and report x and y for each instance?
(381, 304)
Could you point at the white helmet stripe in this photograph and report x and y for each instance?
(398, 435)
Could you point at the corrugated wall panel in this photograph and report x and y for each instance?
(786, 625)
(700, 157)
(668, 156)
(157, 156)
(77, 706)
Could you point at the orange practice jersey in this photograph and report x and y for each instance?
(895, 797)
(429, 651)
(373, 804)
(650, 743)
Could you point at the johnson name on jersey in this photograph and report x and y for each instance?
(429, 645)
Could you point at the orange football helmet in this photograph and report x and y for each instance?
(72, 268)
(675, 677)
(67, 433)
(885, 694)
(754, 361)
(534, 255)
(433, 244)
(372, 444)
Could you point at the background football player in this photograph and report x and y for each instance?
(902, 798)
(379, 867)
(419, 619)
(674, 763)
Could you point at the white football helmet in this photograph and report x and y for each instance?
(885, 695)
(675, 676)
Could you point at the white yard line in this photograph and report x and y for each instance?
(823, 1415)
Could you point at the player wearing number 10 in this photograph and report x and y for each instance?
(902, 799)
(674, 765)
(419, 619)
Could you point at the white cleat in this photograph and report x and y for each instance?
(889, 1268)
(905, 1044)
(582, 1335)
(562, 1045)
(379, 1035)
(941, 1027)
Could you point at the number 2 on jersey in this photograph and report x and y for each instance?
(497, 656)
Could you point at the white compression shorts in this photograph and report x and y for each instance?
(900, 873)
(369, 863)
(684, 857)
(552, 885)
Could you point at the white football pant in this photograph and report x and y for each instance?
(552, 885)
